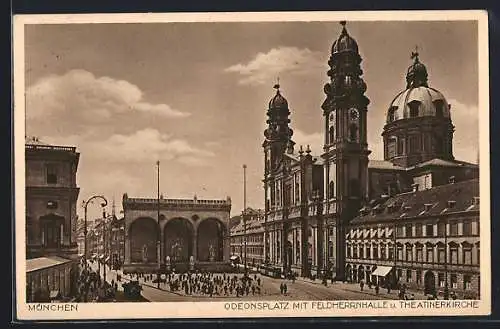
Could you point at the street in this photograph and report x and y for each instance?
(301, 289)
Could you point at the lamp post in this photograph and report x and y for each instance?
(244, 213)
(319, 219)
(158, 242)
(104, 203)
(104, 242)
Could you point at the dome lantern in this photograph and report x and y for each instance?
(345, 43)
(417, 72)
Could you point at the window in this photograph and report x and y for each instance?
(331, 190)
(419, 277)
(453, 228)
(467, 282)
(418, 230)
(392, 113)
(409, 253)
(375, 252)
(454, 254)
(467, 227)
(408, 229)
(439, 105)
(429, 230)
(330, 248)
(414, 106)
(400, 252)
(391, 253)
(430, 254)
(368, 252)
(330, 231)
(399, 231)
(441, 229)
(478, 254)
(51, 174)
(401, 146)
(331, 135)
(391, 147)
(408, 275)
(420, 253)
(441, 254)
(383, 252)
(441, 280)
(467, 255)
(453, 281)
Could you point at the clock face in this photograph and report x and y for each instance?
(353, 114)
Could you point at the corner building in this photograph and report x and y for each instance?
(317, 205)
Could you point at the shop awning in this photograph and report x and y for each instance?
(382, 270)
(234, 257)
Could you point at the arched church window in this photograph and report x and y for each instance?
(331, 135)
(331, 190)
(392, 113)
(414, 107)
(353, 132)
(391, 147)
(401, 146)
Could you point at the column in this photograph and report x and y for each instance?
(61, 237)
(127, 248)
(195, 245)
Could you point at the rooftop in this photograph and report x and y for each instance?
(41, 263)
(463, 196)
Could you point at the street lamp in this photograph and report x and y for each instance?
(104, 203)
(244, 213)
(317, 200)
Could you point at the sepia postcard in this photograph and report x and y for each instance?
(223, 165)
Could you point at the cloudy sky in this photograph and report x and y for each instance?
(194, 95)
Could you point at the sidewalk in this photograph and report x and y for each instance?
(354, 287)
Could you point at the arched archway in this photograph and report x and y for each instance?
(361, 273)
(429, 283)
(210, 240)
(348, 272)
(178, 239)
(143, 233)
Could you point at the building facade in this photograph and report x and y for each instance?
(251, 231)
(426, 242)
(190, 232)
(51, 241)
(313, 203)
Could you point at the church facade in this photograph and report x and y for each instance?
(314, 203)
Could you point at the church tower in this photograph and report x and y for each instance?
(278, 134)
(346, 149)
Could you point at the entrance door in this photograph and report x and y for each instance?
(429, 283)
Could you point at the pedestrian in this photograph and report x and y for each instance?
(281, 288)
(361, 284)
(253, 290)
(285, 288)
(377, 288)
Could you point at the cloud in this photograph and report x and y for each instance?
(80, 97)
(465, 118)
(146, 145)
(281, 62)
(314, 140)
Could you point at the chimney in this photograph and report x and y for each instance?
(414, 187)
(451, 180)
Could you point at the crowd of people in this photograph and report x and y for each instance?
(206, 284)
(93, 288)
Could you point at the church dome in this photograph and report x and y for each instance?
(418, 99)
(278, 101)
(345, 42)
